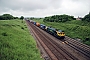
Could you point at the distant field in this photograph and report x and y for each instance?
(74, 29)
(16, 43)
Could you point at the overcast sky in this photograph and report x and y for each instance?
(42, 8)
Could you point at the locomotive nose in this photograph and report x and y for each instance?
(61, 34)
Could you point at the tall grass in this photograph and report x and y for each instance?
(74, 29)
(16, 43)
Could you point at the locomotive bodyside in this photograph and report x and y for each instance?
(57, 33)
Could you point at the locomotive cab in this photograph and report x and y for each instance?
(60, 34)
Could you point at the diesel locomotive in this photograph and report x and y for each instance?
(57, 33)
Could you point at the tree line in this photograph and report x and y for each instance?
(55, 18)
(59, 18)
(9, 17)
(64, 18)
(86, 17)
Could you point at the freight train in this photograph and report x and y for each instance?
(60, 34)
(57, 33)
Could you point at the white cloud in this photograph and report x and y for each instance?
(42, 8)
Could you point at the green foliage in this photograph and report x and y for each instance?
(87, 17)
(6, 17)
(16, 18)
(58, 18)
(16, 43)
(22, 28)
(74, 29)
(32, 18)
(21, 17)
(4, 34)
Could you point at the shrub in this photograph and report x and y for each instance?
(22, 28)
(4, 34)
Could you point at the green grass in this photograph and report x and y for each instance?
(74, 29)
(16, 43)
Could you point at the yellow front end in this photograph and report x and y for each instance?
(60, 34)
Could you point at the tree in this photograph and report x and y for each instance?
(6, 17)
(21, 17)
(1, 17)
(87, 17)
(32, 18)
(15, 17)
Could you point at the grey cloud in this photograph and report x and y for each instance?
(45, 7)
(17, 5)
(28, 5)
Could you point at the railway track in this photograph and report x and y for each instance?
(56, 49)
(82, 48)
(51, 56)
(75, 42)
(53, 49)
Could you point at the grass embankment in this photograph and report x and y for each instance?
(16, 43)
(74, 29)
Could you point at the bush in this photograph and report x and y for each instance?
(4, 34)
(22, 28)
(87, 17)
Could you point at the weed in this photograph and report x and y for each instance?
(22, 28)
(19, 44)
(13, 25)
(4, 34)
